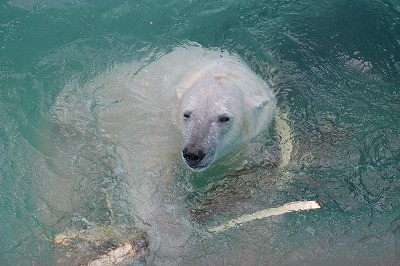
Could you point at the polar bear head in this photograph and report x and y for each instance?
(220, 105)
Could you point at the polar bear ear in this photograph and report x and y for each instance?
(257, 102)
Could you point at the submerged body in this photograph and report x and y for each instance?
(175, 104)
(188, 103)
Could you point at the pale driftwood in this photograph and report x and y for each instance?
(288, 207)
(115, 256)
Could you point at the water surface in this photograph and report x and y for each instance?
(335, 65)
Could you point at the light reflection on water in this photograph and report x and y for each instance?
(336, 67)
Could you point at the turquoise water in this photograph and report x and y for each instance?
(336, 65)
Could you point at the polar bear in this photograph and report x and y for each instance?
(191, 104)
(221, 104)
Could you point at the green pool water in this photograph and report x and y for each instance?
(334, 64)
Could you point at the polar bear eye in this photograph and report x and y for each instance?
(186, 115)
(224, 119)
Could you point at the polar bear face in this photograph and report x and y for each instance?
(218, 111)
(210, 119)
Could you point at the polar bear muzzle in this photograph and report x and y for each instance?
(193, 157)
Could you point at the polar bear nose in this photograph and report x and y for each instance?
(193, 155)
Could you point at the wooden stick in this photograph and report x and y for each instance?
(115, 256)
(288, 207)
